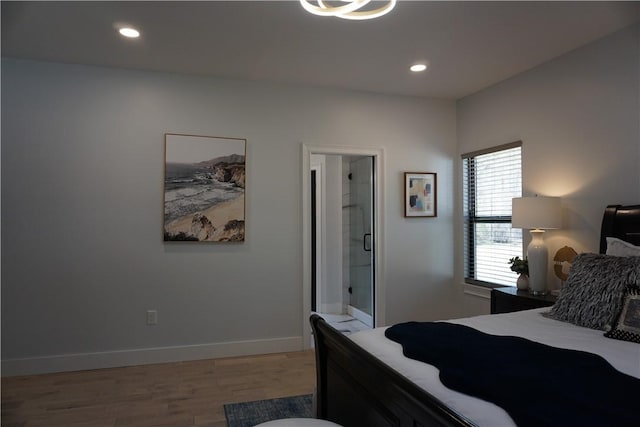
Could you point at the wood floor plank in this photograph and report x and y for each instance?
(164, 395)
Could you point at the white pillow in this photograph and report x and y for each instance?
(617, 247)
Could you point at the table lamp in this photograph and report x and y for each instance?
(536, 214)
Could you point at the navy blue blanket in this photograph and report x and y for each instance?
(538, 385)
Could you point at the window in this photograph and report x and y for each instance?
(491, 179)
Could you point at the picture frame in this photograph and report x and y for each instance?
(420, 189)
(204, 188)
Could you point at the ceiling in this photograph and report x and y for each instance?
(468, 45)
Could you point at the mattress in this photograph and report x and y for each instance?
(530, 324)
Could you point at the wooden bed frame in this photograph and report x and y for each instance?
(622, 222)
(355, 389)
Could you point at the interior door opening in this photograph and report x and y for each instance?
(331, 243)
(342, 240)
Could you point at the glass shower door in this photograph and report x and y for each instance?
(361, 247)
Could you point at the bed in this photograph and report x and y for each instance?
(365, 381)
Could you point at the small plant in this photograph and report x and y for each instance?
(520, 266)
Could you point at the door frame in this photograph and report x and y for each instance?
(378, 233)
(320, 228)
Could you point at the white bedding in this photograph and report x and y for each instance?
(530, 324)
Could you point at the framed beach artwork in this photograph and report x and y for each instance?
(420, 190)
(204, 188)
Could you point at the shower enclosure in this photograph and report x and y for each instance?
(358, 255)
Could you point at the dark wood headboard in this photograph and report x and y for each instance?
(622, 222)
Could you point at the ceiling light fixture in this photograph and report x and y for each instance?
(416, 68)
(351, 10)
(132, 33)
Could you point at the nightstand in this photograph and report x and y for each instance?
(506, 300)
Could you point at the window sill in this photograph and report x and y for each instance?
(480, 291)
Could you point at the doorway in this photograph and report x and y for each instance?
(357, 227)
(342, 237)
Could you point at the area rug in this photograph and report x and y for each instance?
(249, 414)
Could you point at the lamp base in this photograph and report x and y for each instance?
(537, 254)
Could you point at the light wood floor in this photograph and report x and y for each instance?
(172, 394)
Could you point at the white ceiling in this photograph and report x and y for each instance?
(469, 45)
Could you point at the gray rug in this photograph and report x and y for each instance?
(249, 414)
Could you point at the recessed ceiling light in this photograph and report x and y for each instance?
(416, 68)
(129, 32)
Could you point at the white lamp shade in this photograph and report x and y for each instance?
(536, 212)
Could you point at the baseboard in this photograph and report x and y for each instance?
(146, 356)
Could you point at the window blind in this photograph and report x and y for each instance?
(491, 179)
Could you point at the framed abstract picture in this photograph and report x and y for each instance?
(420, 190)
(204, 188)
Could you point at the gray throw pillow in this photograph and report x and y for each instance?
(593, 294)
(626, 326)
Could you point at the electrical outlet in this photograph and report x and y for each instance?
(152, 317)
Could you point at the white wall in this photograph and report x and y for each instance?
(82, 182)
(578, 118)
